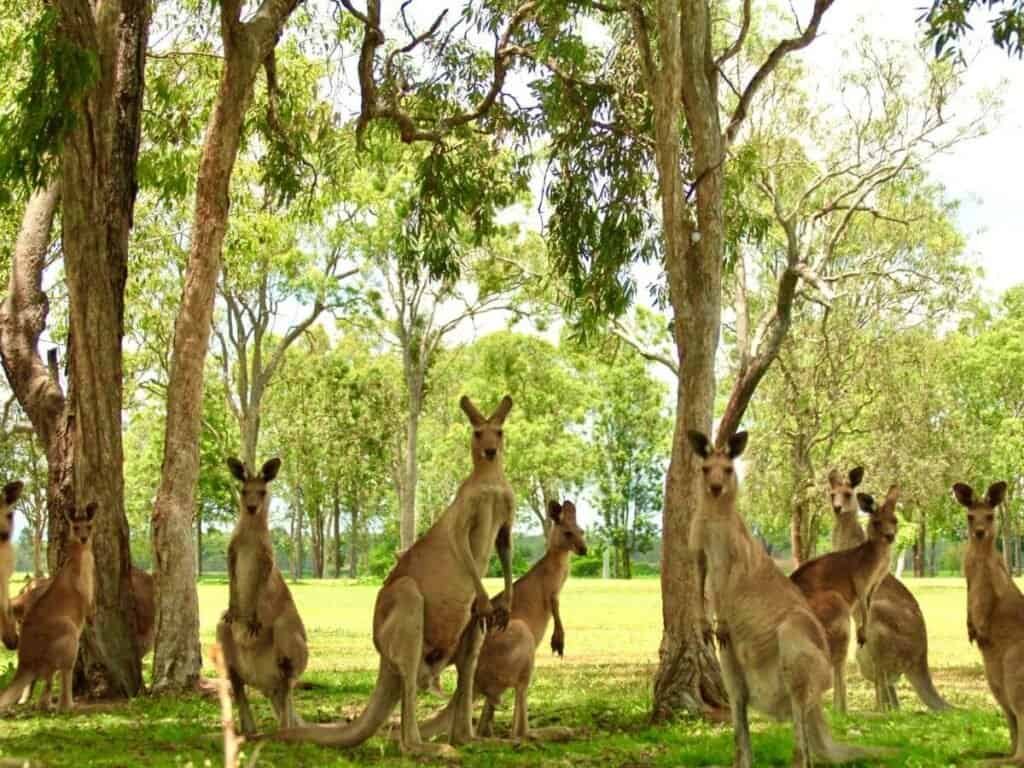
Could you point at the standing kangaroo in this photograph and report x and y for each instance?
(432, 606)
(895, 638)
(8, 628)
(506, 660)
(261, 635)
(995, 611)
(773, 651)
(842, 583)
(52, 628)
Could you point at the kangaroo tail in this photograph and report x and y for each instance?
(22, 680)
(382, 703)
(921, 679)
(824, 748)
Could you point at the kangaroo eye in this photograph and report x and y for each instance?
(728, 470)
(500, 433)
(847, 495)
(478, 434)
(263, 494)
(705, 470)
(568, 534)
(990, 518)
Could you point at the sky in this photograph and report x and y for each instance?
(984, 174)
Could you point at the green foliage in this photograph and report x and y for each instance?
(46, 76)
(946, 24)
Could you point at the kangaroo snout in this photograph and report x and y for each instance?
(490, 453)
(890, 537)
(979, 535)
(252, 509)
(716, 489)
(581, 550)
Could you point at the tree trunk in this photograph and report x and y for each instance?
(353, 538)
(796, 532)
(98, 164)
(336, 535)
(249, 427)
(297, 555)
(199, 542)
(407, 521)
(920, 547)
(177, 661)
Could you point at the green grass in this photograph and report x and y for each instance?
(602, 688)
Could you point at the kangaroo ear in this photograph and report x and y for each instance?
(737, 444)
(892, 495)
(90, 510)
(237, 469)
(269, 471)
(555, 511)
(964, 495)
(996, 493)
(856, 475)
(834, 478)
(12, 491)
(501, 412)
(699, 442)
(866, 502)
(475, 417)
(568, 511)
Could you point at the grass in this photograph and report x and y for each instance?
(602, 688)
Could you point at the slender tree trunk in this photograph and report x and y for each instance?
(199, 542)
(353, 539)
(297, 555)
(336, 534)
(796, 531)
(407, 522)
(247, 46)
(920, 548)
(249, 426)
(37, 549)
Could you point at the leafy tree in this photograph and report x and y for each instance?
(946, 23)
(631, 441)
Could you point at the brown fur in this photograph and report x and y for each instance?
(261, 634)
(896, 639)
(8, 628)
(506, 660)
(432, 606)
(52, 628)
(142, 591)
(773, 650)
(995, 611)
(841, 584)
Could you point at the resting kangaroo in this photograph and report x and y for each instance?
(995, 611)
(261, 634)
(842, 583)
(773, 651)
(50, 634)
(8, 628)
(506, 660)
(896, 639)
(424, 612)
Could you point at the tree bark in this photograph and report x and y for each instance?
(98, 164)
(177, 660)
(35, 383)
(407, 488)
(336, 534)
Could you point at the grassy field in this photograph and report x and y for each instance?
(601, 689)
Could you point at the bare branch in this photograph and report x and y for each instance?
(737, 44)
(783, 49)
(642, 349)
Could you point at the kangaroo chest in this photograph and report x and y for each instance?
(6, 565)
(492, 507)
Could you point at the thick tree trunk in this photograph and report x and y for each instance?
(98, 163)
(176, 662)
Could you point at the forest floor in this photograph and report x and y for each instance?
(601, 689)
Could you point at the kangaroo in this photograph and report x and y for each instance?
(506, 660)
(995, 607)
(433, 595)
(53, 627)
(142, 591)
(842, 583)
(261, 634)
(8, 628)
(896, 638)
(773, 650)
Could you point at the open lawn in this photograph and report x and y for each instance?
(601, 688)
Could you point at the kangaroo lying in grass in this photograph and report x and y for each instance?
(995, 611)
(261, 635)
(895, 638)
(8, 628)
(431, 607)
(773, 650)
(842, 583)
(506, 660)
(53, 627)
